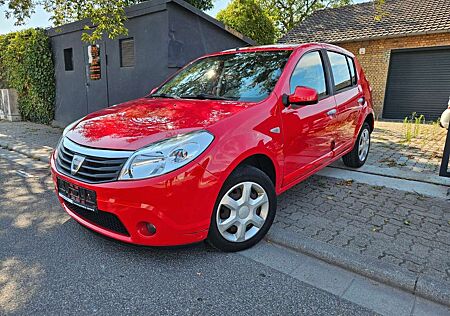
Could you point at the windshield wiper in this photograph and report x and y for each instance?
(163, 95)
(205, 96)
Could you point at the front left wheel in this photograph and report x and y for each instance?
(244, 210)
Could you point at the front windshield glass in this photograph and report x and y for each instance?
(240, 76)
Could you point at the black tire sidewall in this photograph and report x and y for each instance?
(243, 174)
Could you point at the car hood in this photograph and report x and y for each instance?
(138, 123)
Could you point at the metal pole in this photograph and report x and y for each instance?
(445, 157)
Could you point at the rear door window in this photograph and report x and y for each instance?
(340, 70)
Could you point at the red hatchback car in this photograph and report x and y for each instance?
(205, 155)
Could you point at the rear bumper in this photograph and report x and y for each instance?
(178, 204)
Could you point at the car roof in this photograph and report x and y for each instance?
(264, 47)
(281, 47)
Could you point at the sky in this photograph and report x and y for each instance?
(41, 18)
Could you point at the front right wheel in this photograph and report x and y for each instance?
(244, 210)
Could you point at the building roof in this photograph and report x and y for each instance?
(357, 22)
(148, 7)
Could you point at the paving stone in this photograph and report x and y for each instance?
(421, 154)
(376, 230)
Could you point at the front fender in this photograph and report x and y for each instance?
(232, 152)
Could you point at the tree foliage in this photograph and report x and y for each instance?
(26, 65)
(104, 16)
(285, 14)
(248, 18)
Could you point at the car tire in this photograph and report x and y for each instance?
(358, 156)
(247, 205)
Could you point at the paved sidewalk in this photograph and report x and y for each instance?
(397, 227)
(420, 157)
(421, 154)
(32, 139)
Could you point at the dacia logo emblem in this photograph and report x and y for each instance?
(77, 161)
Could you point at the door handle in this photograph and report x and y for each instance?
(332, 112)
(362, 101)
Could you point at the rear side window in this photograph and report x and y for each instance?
(340, 70)
(310, 73)
(351, 64)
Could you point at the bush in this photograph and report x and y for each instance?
(26, 65)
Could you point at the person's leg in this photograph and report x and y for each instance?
(445, 157)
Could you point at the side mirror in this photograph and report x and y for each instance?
(301, 96)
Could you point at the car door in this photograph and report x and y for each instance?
(308, 130)
(348, 96)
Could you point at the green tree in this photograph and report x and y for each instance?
(104, 16)
(248, 18)
(286, 14)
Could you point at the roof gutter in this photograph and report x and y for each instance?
(373, 38)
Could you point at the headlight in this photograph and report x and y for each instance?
(165, 156)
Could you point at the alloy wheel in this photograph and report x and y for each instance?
(364, 144)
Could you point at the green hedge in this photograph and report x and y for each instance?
(26, 65)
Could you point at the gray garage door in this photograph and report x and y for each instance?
(418, 81)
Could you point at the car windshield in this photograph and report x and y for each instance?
(241, 76)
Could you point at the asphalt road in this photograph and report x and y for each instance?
(51, 265)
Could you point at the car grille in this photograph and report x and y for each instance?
(100, 218)
(95, 168)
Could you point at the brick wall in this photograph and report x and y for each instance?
(376, 59)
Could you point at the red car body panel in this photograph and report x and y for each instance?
(135, 124)
(156, 200)
(180, 203)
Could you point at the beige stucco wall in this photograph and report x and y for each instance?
(376, 59)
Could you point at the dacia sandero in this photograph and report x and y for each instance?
(205, 154)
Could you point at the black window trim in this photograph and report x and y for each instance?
(325, 65)
(354, 69)
(352, 86)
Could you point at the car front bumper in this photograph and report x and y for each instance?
(179, 204)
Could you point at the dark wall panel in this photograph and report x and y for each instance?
(418, 81)
(71, 97)
(164, 39)
(150, 60)
(191, 36)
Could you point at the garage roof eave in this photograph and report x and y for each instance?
(375, 38)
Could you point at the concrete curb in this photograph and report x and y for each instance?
(396, 174)
(26, 152)
(423, 286)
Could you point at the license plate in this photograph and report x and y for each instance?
(77, 195)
